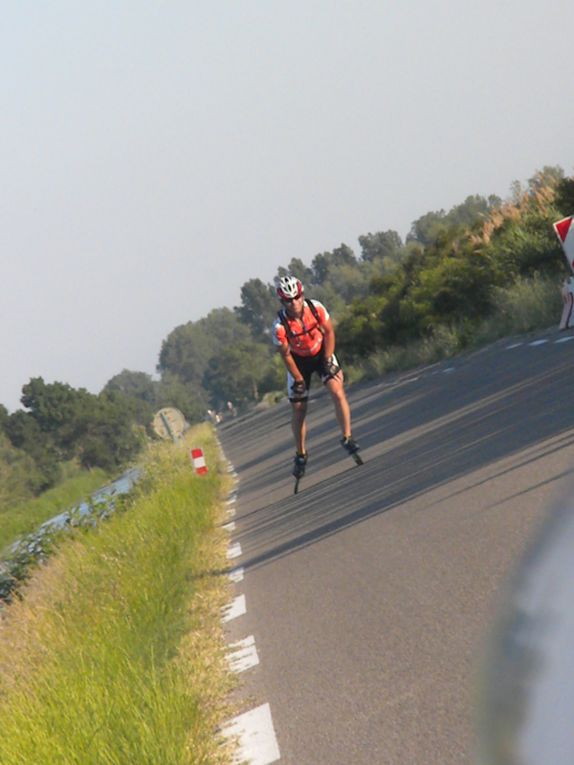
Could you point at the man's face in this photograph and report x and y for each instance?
(294, 307)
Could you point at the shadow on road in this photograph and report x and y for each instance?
(417, 435)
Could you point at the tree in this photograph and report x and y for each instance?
(109, 439)
(324, 262)
(186, 352)
(60, 412)
(426, 229)
(454, 288)
(550, 176)
(234, 374)
(565, 197)
(139, 393)
(65, 423)
(3, 417)
(51, 405)
(134, 385)
(187, 397)
(258, 307)
(19, 476)
(26, 435)
(474, 209)
(222, 327)
(384, 245)
(320, 267)
(298, 269)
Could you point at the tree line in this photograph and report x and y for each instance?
(446, 272)
(389, 293)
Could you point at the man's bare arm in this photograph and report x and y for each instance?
(289, 362)
(329, 339)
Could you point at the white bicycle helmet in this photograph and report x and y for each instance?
(289, 287)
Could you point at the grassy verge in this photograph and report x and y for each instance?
(24, 517)
(114, 656)
(527, 305)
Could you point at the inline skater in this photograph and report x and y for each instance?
(305, 338)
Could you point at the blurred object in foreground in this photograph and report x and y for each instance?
(527, 704)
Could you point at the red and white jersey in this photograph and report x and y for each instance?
(304, 338)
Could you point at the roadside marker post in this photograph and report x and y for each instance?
(198, 461)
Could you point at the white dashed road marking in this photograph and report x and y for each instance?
(253, 730)
(243, 655)
(565, 339)
(236, 575)
(538, 342)
(257, 742)
(234, 551)
(514, 345)
(235, 609)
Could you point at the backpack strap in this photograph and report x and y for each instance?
(315, 313)
(283, 319)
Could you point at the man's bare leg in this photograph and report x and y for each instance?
(298, 425)
(342, 409)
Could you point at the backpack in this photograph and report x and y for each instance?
(283, 319)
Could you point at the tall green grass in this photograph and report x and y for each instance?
(527, 305)
(24, 517)
(114, 656)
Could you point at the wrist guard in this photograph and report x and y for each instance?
(330, 368)
(298, 387)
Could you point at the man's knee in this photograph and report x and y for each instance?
(337, 390)
(299, 408)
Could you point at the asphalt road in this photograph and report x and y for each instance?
(371, 593)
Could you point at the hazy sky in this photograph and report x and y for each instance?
(157, 155)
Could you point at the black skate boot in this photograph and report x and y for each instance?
(352, 448)
(299, 465)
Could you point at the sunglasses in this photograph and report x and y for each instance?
(290, 300)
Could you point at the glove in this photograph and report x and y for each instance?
(330, 368)
(298, 387)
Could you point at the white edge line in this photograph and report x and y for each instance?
(235, 609)
(229, 526)
(243, 655)
(234, 551)
(257, 741)
(538, 342)
(236, 574)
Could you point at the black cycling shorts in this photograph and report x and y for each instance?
(307, 365)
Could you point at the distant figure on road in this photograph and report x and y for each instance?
(305, 338)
